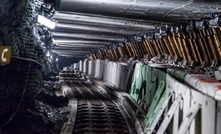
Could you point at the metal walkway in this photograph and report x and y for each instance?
(94, 111)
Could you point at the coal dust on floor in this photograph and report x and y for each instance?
(43, 115)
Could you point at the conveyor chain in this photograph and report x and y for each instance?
(95, 112)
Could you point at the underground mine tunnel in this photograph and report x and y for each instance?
(110, 67)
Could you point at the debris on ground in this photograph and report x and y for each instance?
(45, 116)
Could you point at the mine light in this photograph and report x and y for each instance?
(46, 22)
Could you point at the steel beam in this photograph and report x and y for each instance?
(79, 41)
(76, 46)
(71, 51)
(104, 20)
(86, 36)
(95, 29)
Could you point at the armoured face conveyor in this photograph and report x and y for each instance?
(111, 66)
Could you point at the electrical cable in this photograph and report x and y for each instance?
(182, 6)
(2, 37)
(23, 94)
(27, 59)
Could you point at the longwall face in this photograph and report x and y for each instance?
(120, 66)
